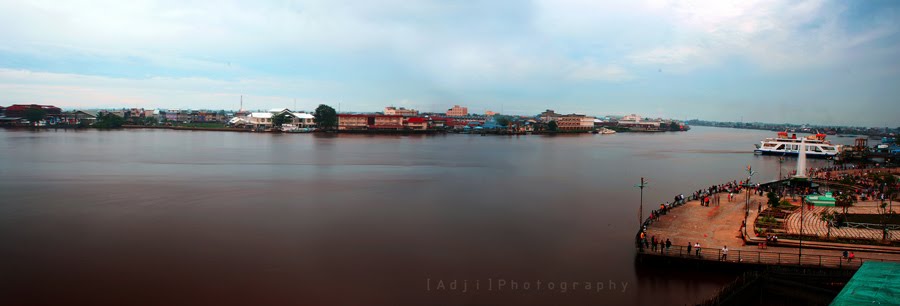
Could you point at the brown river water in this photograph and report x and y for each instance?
(160, 217)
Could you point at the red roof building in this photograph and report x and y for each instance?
(18, 110)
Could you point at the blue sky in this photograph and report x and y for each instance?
(823, 62)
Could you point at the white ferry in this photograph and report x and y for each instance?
(816, 146)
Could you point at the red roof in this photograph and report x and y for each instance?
(416, 120)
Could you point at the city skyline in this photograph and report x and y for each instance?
(818, 62)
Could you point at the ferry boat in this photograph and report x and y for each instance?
(816, 146)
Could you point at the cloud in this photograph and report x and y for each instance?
(591, 71)
(775, 35)
(668, 56)
(85, 91)
(369, 53)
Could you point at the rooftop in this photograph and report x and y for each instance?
(875, 283)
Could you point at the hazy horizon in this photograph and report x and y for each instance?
(815, 62)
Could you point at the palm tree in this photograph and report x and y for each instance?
(827, 216)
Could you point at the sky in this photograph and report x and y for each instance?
(818, 61)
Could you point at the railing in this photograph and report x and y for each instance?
(874, 226)
(760, 257)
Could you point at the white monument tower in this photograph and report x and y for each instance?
(801, 161)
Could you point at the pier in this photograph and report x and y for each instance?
(731, 224)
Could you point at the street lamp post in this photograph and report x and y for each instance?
(780, 162)
(747, 185)
(641, 208)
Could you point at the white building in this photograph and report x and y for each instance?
(390, 110)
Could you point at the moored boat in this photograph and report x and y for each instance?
(816, 146)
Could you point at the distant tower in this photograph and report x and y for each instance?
(801, 160)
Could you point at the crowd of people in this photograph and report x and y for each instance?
(865, 185)
(709, 196)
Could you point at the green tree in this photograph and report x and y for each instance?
(773, 199)
(502, 120)
(674, 126)
(552, 126)
(35, 115)
(845, 200)
(326, 117)
(828, 217)
(109, 121)
(279, 119)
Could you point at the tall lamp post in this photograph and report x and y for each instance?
(780, 162)
(747, 185)
(641, 208)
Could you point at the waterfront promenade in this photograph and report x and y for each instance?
(715, 227)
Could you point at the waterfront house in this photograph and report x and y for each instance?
(416, 123)
(172, 114)
(82, 116)
(260, 120)
(387, 122)
(303, 120)
(437, 122)
(350, 122)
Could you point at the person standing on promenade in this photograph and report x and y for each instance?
(725, 253)
(668, 245)
(697, 247)
(689, 248)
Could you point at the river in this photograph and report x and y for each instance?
(163, 217)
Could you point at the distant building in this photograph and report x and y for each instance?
(575, 122)
(636, 123)
(458, 111)
(390, 110)
(630, 119)
(81, 116)
(548, 115)
(134, 113)
(351, 122)
(489, 113)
